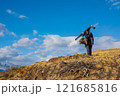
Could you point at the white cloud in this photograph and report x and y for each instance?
(26, 43)
(23, 60)
(52, 46)
(2, 34)
(16, 14)
(55, 45)
(41, 53)
(110, 0)
(35, 39)
(11, 56)
(35, 32)
(115, 4)
(12, 33)
(56, 42)
(10, 11)
(105, 42)
(8, 52)
(22, 16)
(4, 30)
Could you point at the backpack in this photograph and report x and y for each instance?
(83, 40)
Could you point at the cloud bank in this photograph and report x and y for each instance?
(10, 55)
(26, 43)
(51, 46)
(55, 45)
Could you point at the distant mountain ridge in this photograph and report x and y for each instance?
(4, 66)
(102, 65)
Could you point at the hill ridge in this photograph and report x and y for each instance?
(102, 65)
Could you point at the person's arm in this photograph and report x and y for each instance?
(80, 36)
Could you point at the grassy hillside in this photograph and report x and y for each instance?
(103, 64)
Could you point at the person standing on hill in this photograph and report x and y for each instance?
(87, 40)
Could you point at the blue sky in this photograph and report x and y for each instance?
(41, 29)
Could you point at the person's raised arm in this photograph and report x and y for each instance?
(80, 36)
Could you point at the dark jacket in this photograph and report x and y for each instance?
(89, 37)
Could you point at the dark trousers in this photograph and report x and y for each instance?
(89, 49)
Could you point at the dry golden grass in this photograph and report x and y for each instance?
(102, 65)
